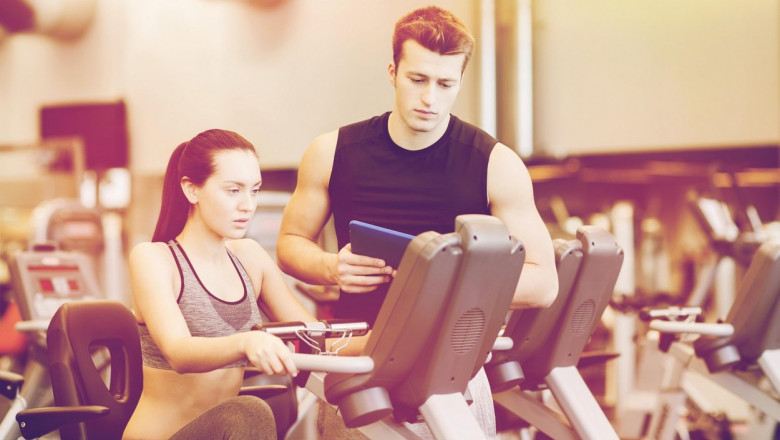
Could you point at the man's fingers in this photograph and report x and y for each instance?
(346, 256)
(362, 260)
(366, 270)
(352, 269)
(364, 280)
(358, 289)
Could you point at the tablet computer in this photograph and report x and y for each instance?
(378, 242)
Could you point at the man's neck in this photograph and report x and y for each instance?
(409, 139)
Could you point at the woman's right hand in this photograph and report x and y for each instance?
(359, 273)
(269, 353)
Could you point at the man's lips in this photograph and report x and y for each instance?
(425, 113)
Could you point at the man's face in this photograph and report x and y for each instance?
(426, 85)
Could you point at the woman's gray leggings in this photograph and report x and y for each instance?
(238, 418)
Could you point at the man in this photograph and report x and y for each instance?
(413, 169)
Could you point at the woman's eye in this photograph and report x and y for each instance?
(233, 190)
(255, 191)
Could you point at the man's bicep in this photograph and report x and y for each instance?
(512, 201)
(524, 223)
(306, 213)
(308, 209)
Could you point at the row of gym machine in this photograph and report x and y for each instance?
(653, 377)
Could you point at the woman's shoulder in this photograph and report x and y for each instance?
(248, 251)
(245, 247)
(149, 253)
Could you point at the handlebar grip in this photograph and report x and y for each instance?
(503, 343)
(33, 325)
(326, 328)
(648, 314)
(699, 328)
(333, 364)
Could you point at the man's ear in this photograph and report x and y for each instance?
(190, 190)
(391, 72)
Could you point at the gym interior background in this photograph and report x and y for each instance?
(623, 111)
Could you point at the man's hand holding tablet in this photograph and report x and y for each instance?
(378, 242)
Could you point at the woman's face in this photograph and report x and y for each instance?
(228, 199)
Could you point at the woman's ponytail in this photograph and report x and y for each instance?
(174, 208)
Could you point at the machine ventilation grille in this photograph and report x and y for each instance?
(467, 331)
(582, 318)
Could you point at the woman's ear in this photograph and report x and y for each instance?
(190, 190)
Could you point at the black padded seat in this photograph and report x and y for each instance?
(88, 408)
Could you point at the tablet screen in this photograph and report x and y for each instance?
(378, 242)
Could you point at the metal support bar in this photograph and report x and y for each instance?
(733, 382)
(577, 402)
(542, 417)
(769, 361)
(448, 416)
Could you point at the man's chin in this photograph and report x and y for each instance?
(423, 126)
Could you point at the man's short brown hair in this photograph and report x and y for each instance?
(437, 30)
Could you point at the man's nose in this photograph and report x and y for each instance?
(429, 95)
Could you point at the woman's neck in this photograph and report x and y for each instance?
(201, 241)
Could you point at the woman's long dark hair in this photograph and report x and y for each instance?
(193, 159)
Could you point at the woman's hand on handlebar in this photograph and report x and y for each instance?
(269, 353)
(359, 273)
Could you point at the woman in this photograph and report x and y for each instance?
(195, 292)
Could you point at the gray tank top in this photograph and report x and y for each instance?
(205, 314)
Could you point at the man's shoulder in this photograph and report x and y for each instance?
(369, 121)
(360, 130)
(472, 135)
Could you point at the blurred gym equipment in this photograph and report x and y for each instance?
(434, 332)
(741, 354)
(548, 343)
(43, 278)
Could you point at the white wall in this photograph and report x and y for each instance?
(647, 74)
(36, 70)
(609, 74)
(277, 75)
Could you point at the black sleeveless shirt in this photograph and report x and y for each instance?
(376, 181)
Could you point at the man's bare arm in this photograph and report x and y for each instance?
(305, 215)
(297, 251)
(511, 199)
